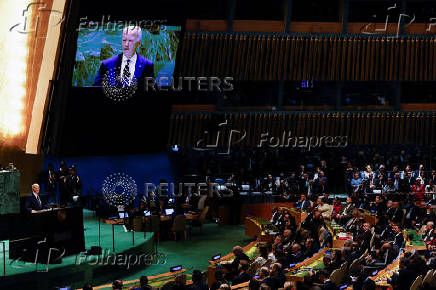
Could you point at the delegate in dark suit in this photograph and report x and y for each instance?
(33, 201)
(111, 69)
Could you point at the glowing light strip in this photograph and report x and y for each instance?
(46, 74)
(13, 66)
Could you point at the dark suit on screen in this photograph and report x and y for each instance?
(111, 68)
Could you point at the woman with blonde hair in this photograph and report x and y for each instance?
(367, 172)
(290, 285)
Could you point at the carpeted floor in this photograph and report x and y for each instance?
(196, 253)
(192, 254)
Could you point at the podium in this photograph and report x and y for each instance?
(46, 237)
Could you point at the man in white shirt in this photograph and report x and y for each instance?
(128, 67)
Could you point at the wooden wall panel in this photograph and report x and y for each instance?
(258, 26)
(316, 27)
(360, 128)
(304, 57)
(206, 25)
(418, 107)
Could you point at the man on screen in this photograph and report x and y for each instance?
(125, 69)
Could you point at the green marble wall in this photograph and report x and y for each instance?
(9, 192)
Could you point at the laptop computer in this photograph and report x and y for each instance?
(216, 257)
(123, 215)
(176, 268)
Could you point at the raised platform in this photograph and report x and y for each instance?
(122, 253)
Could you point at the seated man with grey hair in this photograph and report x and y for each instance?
(127, 68)
(428, 232)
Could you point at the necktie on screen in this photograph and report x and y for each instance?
(39, 200)
(126, 73)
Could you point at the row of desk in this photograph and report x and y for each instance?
(163, 218)
(414, 243)
(263, 231)
(381, 278)
(251, 250)
(340, 236)
(315, 263)
(156, 281)
(260, 229)
(255, 227)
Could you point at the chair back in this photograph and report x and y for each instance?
(137, 224)
(404, 216)
(428, 277)
(371, 242)
(364, 254)
(155, 223)
(337, 276)
(169, 285)
(201, 202)
(204, 276)
(330, 211)
(354, 267)
(203, 213)
(344, 266)
(416, 283)
(433, 280)
(179, 224)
